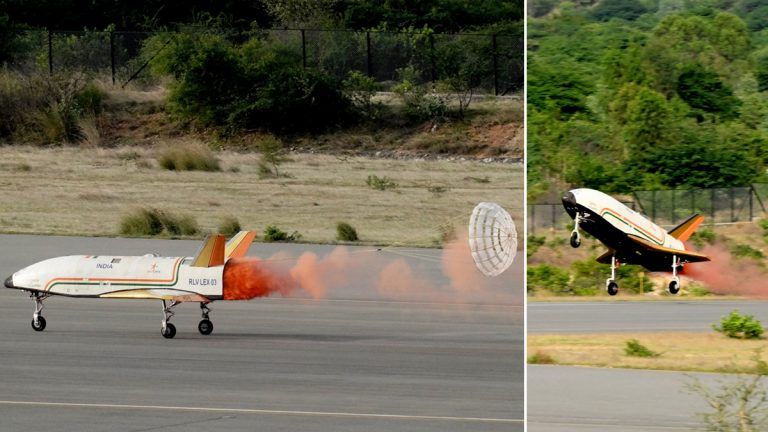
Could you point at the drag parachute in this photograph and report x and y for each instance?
(492, 238)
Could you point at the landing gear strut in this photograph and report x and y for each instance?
(575, 236)
(38, 322)
(610, 285)
(168, 330)
(205, 327)
(674, 284)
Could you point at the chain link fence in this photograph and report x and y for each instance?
(497, 59)
(667, 208)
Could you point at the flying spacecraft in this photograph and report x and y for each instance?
(630, 237)
(172, 280)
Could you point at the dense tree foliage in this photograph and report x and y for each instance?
(632, 94)
(439, 15)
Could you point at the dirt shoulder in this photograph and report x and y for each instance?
(677, 351)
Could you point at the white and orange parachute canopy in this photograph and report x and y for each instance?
(492, 238)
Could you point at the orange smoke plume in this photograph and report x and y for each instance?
(449, 277)
(247, 278)
(728, 275)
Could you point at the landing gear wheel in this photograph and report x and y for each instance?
(674, 287)
(575, 240)
(612, 287)
(169, 331)
(39, 325)
(205, 327)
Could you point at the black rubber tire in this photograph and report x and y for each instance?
(575, 240)
(40, 324)
(205, 327)
(169, 332)
(613, 288)
(674, 287)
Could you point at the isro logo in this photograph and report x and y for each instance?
(104, 266)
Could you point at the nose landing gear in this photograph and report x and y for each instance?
(575, 236)
(610, 284)
(168, 330)
(38, 322)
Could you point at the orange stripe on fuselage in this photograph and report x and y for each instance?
(629, 222)
(173, 276)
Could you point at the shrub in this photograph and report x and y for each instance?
(141, 222)
(419, 104)
(275, 234)
(152, 222)
(360, 89)
(90, 99)
(345, 232)
(272, 156)
(380, 183)
(635, 349)
(229, 226)
(540, 357)
(702, 237)
(737, 326)
(549, 278)
(257, 84)
(534, 243)
(747, 251)
(188, 157)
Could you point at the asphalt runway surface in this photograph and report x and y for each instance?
(636, 316)
(568, 398)
(353, 361)
(578, 399)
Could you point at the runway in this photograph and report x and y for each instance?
(636, 316)
(353, 361)
(569, 398)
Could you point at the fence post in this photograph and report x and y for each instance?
(50, 51)
(693, 201)
(553, 208)
(303, 49)
(368, 62)
(751, 191)
(712, 204)
(733, 204)
(112, 54)
(653, 205)
(495, 67)
(532, 221)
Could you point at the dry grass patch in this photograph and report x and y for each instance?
(323, 190)
(700, 352)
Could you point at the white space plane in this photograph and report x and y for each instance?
(170, 279)
(630, 237)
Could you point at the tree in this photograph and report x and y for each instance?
(558, 82)
(628, 10)
(702, 89)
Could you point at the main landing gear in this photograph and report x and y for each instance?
(575, 236)
(38, 322)
(205, 327)
(674, 284)
(610, 284)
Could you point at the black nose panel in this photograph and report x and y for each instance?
(569, 199)
(9, 282)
